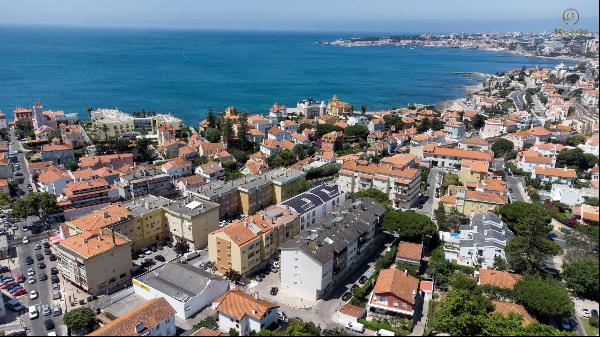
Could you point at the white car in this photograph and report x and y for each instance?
(30, 272)
(30, 279)
(586, 313)
(33, 294)
(25, 240)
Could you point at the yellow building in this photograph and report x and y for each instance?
(96, 261)
(243, 245)
(191, 220)
(141, 220)
(477, 202)
(251, 193)
(473, 171)
(335, 107)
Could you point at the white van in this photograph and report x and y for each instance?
(33, 313)
(384, 332)
(356, 327)
(190, 255)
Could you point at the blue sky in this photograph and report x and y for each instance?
(304, 15)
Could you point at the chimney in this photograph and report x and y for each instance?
(139, 327)
(113, 238)
(256, 295)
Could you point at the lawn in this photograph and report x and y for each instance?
(590, 330)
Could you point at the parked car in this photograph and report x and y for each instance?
(274, 291)
(346, 296)
(52, 257)
(56, 310)
(37, 246)
(43, 277)
(33, 313)
(30, 272)
(4, 269)
(55, 294)
(39, 257)
(363, 279)
(356, 327)
(55, 279)
(47, 251)
(20, 277)
(46, 244)
(55, 286)
(46, 310)
(29, 260)
(41, 265)
(30, 279)
(585, 312)
(25, 240)
(594, 313)
(49, 325)
(160, 258)
(53, 271)
(354, 286)
(33, 294)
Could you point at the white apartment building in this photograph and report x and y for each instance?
(314, 204)
(318, 257)
(482, 240)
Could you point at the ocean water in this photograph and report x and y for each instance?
(186, 72)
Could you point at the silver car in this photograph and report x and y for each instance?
(46, 310)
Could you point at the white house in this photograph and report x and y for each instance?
(187, 288)
(152, 318)
(484, 238)
(211, 171)
(358, 120)
(552, 175)
(318, 256)
(53, 181)
(178, 167)
(314, 204)
(245, 313)
(571, 196)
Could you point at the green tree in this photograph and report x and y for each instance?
(181, 247)
(440, 215)
(478, 121)
(227, 133)
(20, 209)
(356, 132)
(282, 159)
(393, 122)
(322, 129)
(301, 151)
(143, 149)
(73, 165)
(201, 160)
(233, 332)
(210, 322)
(24, 129)
(424, 125)
(304, 126)
(4, 200)
(374, 194)
(298, 328)
(575, 140)
(500, 263)
(576, 158)
(410, 225)
(80, 319)
(547, 299)
(581, 276)
(242, 132)
(531, 224)
(502, 147)
(363, 109)
(462, 313)
(211, 119)
(212, 135)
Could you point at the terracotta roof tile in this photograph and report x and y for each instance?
(409, 250)
(496, 278)
(397, 283)
(150, 314)
(506, 308)
(556, 172)
(90, 244)
(237, 304)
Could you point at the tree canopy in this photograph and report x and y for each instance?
(322, 129)
(530, 222)
(375, 194)
(35, 203)
(80, 319)
(547, 299)
(502, 146)
(576, 158)
(581, 276)
(212, 135)
(410, 225)
(356, 132)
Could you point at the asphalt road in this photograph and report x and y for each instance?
(518, 98)
(431, 202)
(515, 188)
(35, 327)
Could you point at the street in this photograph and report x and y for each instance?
(518, 98)
(515, 189)
(431, 201)
(44, 288)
